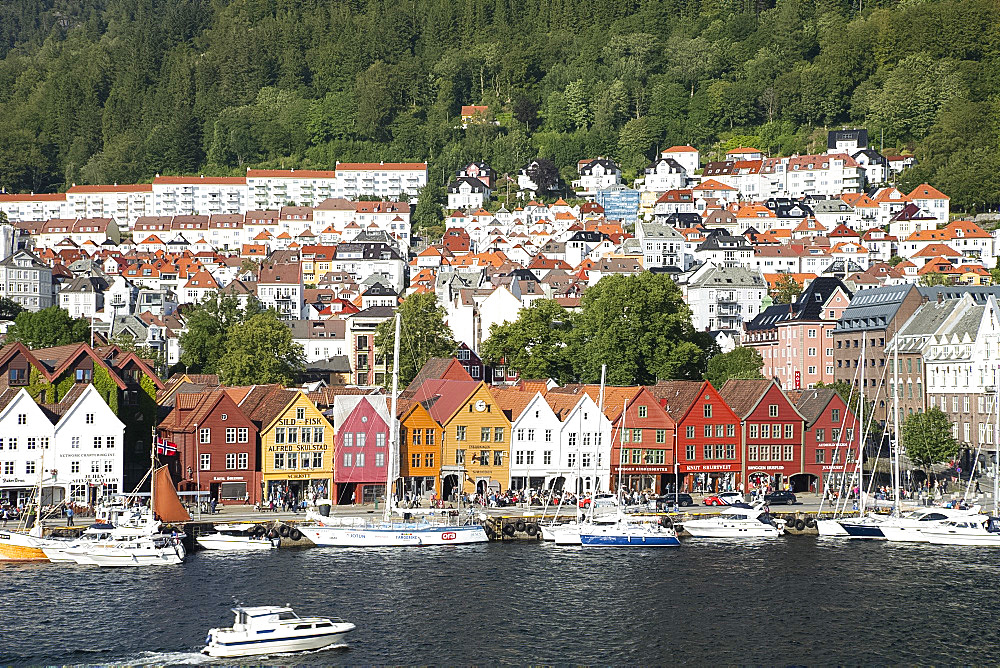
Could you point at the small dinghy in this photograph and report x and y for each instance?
(273, 630)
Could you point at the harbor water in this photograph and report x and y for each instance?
(787, 601)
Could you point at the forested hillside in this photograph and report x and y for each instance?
(95, 91)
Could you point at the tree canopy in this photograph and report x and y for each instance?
(786, 289)
(423, 334)
(208, 326)
(49, 327)
(102, 92)
(534, 345)
(927, 438)
(260, 350)
(743, 363)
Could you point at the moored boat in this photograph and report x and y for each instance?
(236, 537)
(739, 521)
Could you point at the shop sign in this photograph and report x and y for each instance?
(228, 478)
(13, 481)
(646, 469)
(769, 467)
(292, 422)
(706, 468)
(299, 476)
(298, 447)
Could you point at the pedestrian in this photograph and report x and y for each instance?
(5, 517)
(69, 515)
(215, 502)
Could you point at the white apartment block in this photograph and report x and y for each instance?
(124, 203)
(26, 280)
(276, 188)
(41, 206)
(828, 175)
(382, 179)
(199, 195)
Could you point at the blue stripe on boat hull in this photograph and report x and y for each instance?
(862, 530)
(623, 541)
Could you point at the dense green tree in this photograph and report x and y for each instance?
(927, 438)
(49, 327)
(9, 309)
(786, 290)
(423, 334)
(742, 363)
(428, 218)
(260, 350)
(933, 278)
(641, 328)
(536, 344)
(207, 329)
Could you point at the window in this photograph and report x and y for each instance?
(243, 460)
(279, 435)
(753, 431)
(230, 460)
(12, 443)
(75, 443)
(498, 434)
(789, 430)
(689, 452)
(661, 435)
(752, 453)
(547, 458)
(706, 410)
(772, 410)
(965, 400)
(719, 451)
(519, 457)
(17, 377)
(788, 453)
(849, 434)
(98, 442)
(637, 435)
(29, 467)
(690, 432)
(548, 435)
(460, 434)
(8, 468)
(498, 458)
(74, 467)
(820, 456)
(348, 459)
(812, 333)
(205, 461)
(520, 434)
(720, 429)
(529, 457)
(707, 451)
(636, 456)
(380, 438)
(765, 431)
(820, 435)
(811, 352)
(835, 435)
(205, 435)
(484, 434)
(835, 415)
(460, 456)
(707, 431)
(571, 439)
(300, 413)
(89, 418)
(306, 435)
(531, 435)
(243, 435)
(359, 439)
(730, 451)
(642, 411)
(22, 418)
(230, 434)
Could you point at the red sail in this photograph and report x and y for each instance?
(168, 506)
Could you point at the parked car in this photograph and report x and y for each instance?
(667, 500)
(723, 499)
(780, 497)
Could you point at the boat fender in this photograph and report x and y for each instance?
(800, 524)
(811, 522)
(490, 533)
(508, 530)
(259, 530)
(295, 534)
(272, 534)
(520, 525)
(665, 522)
(284, 531)
(532, 530)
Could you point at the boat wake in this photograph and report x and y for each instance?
(168, 659)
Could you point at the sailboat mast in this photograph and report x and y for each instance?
(861, 413)
(152, 475)
(600, 416)
(390, 471)
(895, 422)
(996, 442)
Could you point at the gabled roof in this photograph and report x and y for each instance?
(743, 396)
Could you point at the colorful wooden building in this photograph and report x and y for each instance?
(362, 436)
(832, 443)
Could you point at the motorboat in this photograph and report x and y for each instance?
(19, 546)
(154, 550)
(273, 630)
(237, 537)
(910, 526)
(737, 521)
(625, 533)
(974, 530)
(829, 528)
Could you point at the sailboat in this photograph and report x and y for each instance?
(389, 533)
(27, 544)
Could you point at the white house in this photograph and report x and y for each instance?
(932, 201)
(467, 192)
(33, 207)
(199, 195)
(665, 174)
(275, 188)
(382, 179)
(123, 202)
(598, 174)
(686, 156)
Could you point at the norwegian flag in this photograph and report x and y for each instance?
(165, 447)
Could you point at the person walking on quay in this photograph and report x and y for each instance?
(69, 515)
(5, 517)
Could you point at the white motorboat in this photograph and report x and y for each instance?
(909, 527)
(830, 528)
(737, 522)
(273, 630)
(159, 549)
(975, 530)
(237, 537)
(395, 534)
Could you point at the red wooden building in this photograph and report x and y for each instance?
(773, 435)
(362, 434)
(218, 449)
(642, 439)
(833, 438)
(709, 439)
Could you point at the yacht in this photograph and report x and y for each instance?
(830, 528)
(237, 537)
(738, 521)
(975, 530)
(910, 526)
(154, 550)
(20, 546)
(869, 526)
(625, 533)
(394, 534)
(271, 630)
